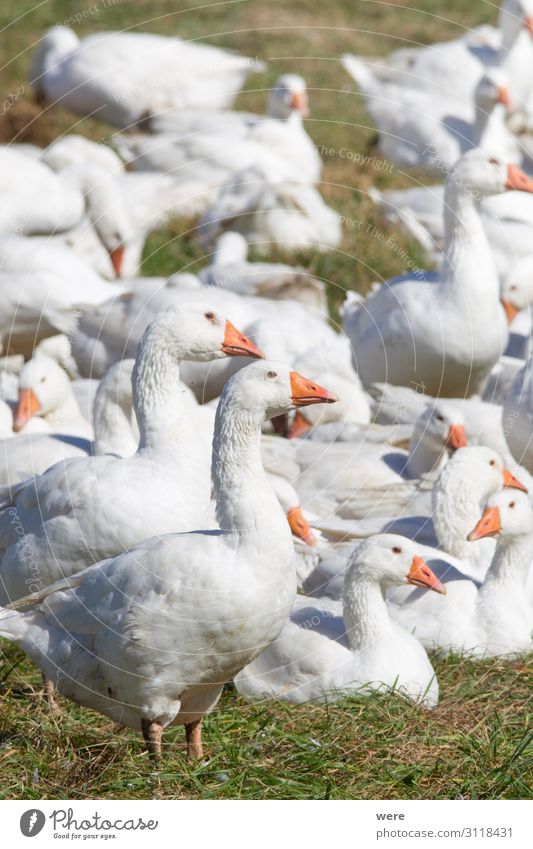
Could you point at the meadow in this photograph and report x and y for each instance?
(478, 744)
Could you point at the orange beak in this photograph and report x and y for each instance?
(503, 96)
(300, 526)
(299, 427)
(510, 310)
(528, 23)
(488, 526)
(117, 257)
(511, 482)
(421, 576)
(300, 103)
(456, 437)
(517, 180)
(236, 344)
(305, 392)
(28, 406)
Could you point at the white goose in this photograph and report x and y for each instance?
(210, 147)
(443, 69)
(154, 645)
(418, 129)
(432, 330)
(496, 618)
(230, 269)
(358, 480)
(46, 391)
(42, 288)
(82, 197)
(83, 510)
(122, 208)
(269, 212)
(121, 77)
(114, 424)
(517, 298)
(327, 650)
(468, 479)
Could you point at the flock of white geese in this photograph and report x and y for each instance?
(174, 517)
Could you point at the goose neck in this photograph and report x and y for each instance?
(468, 268)
(424, 457)
(112, 427)
(157, 399)
(366, 617)
(65, 412)
(490, 132)
(245, 502)
(509, 567)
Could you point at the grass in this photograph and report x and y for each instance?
(478, 743)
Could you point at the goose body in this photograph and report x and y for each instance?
(121, 77)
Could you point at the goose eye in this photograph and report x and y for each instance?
(512, 288)
(440, 418)
(397, 549)
(210, 316)
(272, 374)
(512, 504)
(492, 463)
(42, 380)
(494, 161)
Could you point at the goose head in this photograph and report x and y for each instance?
(491, 89)
(43, 387)
(507, 514)
(197, 331)
(288, 97)
(391, 560)
(268, 389)
(517, 289)
(290, 502)
(481, 176)
(438, 431)
(484, 467)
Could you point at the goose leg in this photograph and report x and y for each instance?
(193, 735)
(152, 733)
(50, 694)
